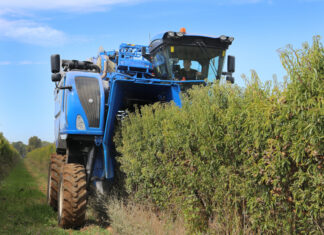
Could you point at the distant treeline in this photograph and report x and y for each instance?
(8, 156)
(235, 160)
(33, 143)
(11, 153)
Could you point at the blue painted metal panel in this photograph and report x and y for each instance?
(75, 107)
(69, 106)
(123, 89)
(98, 168)
(130, 60)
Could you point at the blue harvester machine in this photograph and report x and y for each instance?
(91, 96)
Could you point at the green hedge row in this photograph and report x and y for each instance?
(8, 156)
(39, 158)
(235, 159)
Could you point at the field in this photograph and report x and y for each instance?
(235, 160)
(23, 207)
(232, 160)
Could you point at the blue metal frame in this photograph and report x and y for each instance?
(133, 76)
(119, 89)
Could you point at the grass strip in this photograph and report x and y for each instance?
(23, 208)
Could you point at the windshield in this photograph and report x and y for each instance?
(188, 62)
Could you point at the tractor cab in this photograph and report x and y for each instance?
(179, 56)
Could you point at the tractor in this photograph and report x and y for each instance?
(91, 96)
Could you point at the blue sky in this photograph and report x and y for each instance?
(32, 30)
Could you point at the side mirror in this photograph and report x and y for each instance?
(231, 64)
(55, 63)
(56, 77)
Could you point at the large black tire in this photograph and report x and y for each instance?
(72, 199)
(54, 172)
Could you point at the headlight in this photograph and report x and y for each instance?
(179, 34)
(223, 38)
(80, 123)
(171, 34)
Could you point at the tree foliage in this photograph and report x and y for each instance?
(20, 147)
(33, 143)
(245, 158)
(8, 156)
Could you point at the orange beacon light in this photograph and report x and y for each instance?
(183, 30)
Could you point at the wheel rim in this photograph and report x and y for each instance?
(60, 207)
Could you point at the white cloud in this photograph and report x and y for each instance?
(23, 62)
(243, 2)
(30, 32)
(26, 62)
(29, 62)
(311, 0)
(5, 63)
(63, 5)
